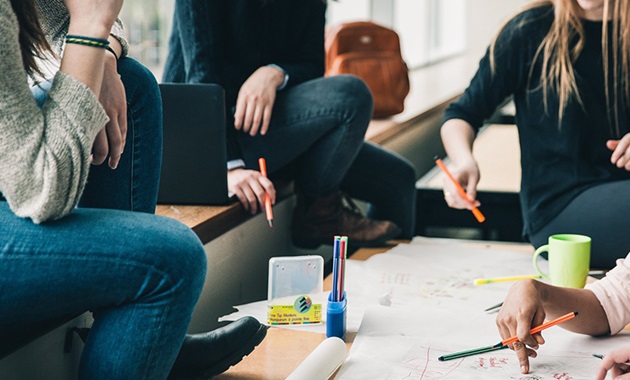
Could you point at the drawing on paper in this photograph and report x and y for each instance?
(420, 363)
(408, 284)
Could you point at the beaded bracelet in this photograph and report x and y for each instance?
(88, 41)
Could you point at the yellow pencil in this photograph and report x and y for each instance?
(481, 281)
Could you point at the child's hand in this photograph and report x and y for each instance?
(616, 362)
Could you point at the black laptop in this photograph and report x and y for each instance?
(194, 168)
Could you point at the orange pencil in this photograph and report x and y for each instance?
(268, 210)
(503, 344)
(546, 325)
(462, 193)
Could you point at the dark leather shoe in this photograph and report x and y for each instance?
(203, 356)
(319, 222)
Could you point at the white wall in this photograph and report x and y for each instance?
(484, 19)
(431, 30)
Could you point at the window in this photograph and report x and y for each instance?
(430, 30)
(447, 35)
(148, 26)
(347, 11)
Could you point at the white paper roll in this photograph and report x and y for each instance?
(322, 362)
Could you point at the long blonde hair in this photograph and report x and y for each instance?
(558, 54)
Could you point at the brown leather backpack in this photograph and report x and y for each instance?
(371, 52)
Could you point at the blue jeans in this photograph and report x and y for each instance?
(139, 273)
(133, 185)
(318, 129)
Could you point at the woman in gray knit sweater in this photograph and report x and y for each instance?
(130, 97)
(139, 273)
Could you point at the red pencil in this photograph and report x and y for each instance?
(462, 193)
(343, 250)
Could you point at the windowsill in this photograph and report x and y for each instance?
(432, 87)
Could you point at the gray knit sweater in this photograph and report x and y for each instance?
(44, 153)
(55, 20)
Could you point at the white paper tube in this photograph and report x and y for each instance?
(322, 362)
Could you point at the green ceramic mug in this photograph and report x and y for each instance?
(569, 260)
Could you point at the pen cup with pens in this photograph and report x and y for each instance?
(337, 301)
(336, 317)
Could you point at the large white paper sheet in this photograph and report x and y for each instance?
(404, 343)
(427, 273)
(418, 302)
(436, 272)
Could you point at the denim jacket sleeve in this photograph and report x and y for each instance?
(198, 35)
(196, 52)
(198, 48)
(309, 59)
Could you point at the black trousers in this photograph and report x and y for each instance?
(601, 212)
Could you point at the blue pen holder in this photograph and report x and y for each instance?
(336, 317)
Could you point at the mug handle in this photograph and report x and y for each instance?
(541, 249)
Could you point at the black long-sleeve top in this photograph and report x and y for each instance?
(558, 160)
(225, 41)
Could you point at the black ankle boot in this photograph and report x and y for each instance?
(203, 356)
(318, 222)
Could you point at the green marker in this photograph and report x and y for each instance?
(474, 351)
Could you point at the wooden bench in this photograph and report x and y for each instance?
(209, 222)
(413, 133)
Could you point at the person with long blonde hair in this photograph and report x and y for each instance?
(565, 62)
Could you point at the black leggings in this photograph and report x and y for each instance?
(601, 212)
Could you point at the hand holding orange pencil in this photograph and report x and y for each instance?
(268, 209)
(542, 327)
(460, 190)
(504, 343)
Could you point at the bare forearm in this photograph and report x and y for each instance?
(557, 301)
(55, 20)
(457, 137)
(85, 63)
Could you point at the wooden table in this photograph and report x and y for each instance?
(283, 350)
